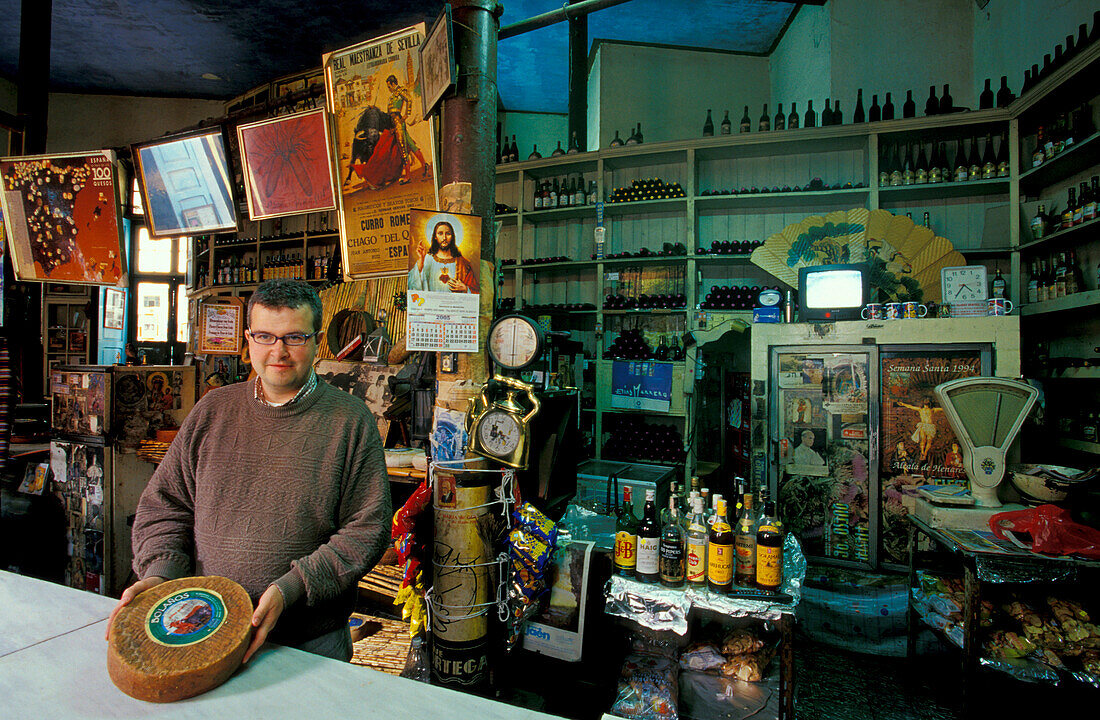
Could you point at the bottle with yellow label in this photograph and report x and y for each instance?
(697, 538)
(626, 537)
(769, 550)
(720, 555)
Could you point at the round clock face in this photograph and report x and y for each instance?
(964, 284)
(769, 297)
(515, 342)
(498, 432)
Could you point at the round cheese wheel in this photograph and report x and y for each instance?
(180, 638)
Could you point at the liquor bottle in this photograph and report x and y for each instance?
(769, 550)
(810, 119)
(874, 113)
(697, 540)
(633, 139)
(908, 172)
(886, 163)
(558, 151)
(858, 116)
(985, 99)
(1074, 281)
(535, 154)
(1070, 50)
(888, 107)
(592, 191)
(989, 160)
(838, 116)
(708, 126)
(616, 141)
(1033, 283)
(1060, 275)
(672, 552)
(1070, 210)
(1002, 157)
(746, 123)
(1039, 223)
(909, 108)
(626, 537)
(765, 123)
(726, 124)
(780, 120)
(1004, 95)
(962, 167)
(973, 160)
(998, 288)
(947, 103)
(720, 553)
(513, 151)
(931, 105)
(1028, 82)
(1089, 200)
(1044, 291)
(704, 493)
(676, 353)
(1078, 209)
(936, 164)
(827, 115)
(712, 512)
(574, 145)
(792, 119)
(579, 194)
(921, 174)
(927, 221)
(638, 134)
(1046, 66)
(744, 542)
(649, 542)
(503, 154)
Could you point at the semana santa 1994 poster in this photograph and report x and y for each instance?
(384, 149)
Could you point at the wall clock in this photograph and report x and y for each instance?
(965, 289)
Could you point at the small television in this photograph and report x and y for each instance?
(832, 292)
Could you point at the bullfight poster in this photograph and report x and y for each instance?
(384, 149)
(62, 218)
(444, 281)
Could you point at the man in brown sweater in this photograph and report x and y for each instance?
(279, 484)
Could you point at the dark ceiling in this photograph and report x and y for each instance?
(166, 47)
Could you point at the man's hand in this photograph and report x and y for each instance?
(268, 610)
(128, 595)
(456, 286)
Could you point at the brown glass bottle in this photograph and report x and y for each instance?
(769, 550)
(720, 554)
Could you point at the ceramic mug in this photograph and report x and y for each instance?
(999, 306)
(892, 311)
(912, 310)
(944, 311)
(872, 311)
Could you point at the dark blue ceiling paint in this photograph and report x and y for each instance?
(163, 47)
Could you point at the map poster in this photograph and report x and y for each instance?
(383, 148)
(918, 446)
(444, 261)
(62, 218)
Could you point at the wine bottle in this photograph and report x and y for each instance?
(792, 119)
(858, 116)
(616, 141)
(1004, 95)
(638, 134)
(744, 542)
(535, 154)
(558, 151)
(503, 154)
(908, 171)
(513, 151)
(1033, 283)
(909, 108)
(985, 99)
(672, 552)
(1039, 223)
(888, 108)
(626, 536)
(780, 120)
(1028, 82)
(874, 113)
(947, 103)
(765, 123)
(769, 550)
(886, 162)
(1059, 58)
(720, 553)
(708, 126)
(726, 124)
(899, 166)
(921, 174)
(826, 115)
(697, 540)
(1002, 157)
(838, 116)
(931, 105)
(649, 541)
(574, 145)
(633, 139)
(1045, 71)
(746, 123)
(810, 118)
(989, 160)
(973, 161)
(962, 168)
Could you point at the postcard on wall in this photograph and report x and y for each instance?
(62, 216)
(384, 149)
(287, 166)
(443, 293)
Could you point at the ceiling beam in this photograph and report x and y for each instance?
(562, 14)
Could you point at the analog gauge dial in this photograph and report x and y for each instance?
(515, 342)
(499, 433)
(769, 297)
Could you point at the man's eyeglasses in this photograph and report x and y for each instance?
(291, 339)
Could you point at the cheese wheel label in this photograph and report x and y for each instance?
(185, 617)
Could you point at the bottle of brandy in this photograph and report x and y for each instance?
(720, 555)
(909, 108)
(769, 550)
(708, 126)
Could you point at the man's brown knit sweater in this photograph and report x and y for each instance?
(295, 495)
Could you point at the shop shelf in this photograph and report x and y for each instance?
(780, 200)
(1089, 373)
(737, 259)
(1082, 445)
(1081, 155)
(1076, 232)
(645, 206)
(977, 188)
(1070, 302)
(647, 260)
(551, 167)
(570, 266)
(985, 251)
(558, 214)
(647, 311)
(508, 218)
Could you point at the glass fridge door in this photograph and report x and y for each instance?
(824, 469)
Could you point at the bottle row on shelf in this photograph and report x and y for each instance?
(815, 185)
(1059, 277)
(909, 163)
(1080, 208)
(667, 250)
(1061, 55)
(240, 271)
(735, 297)
(694, 543)
(564, 194)
(650, 189)
(1084, 424)
(658, 301)
(632, 345)
(225, 240)
(509, 305)
(729, 247)
(1062, 133)
(633, 437)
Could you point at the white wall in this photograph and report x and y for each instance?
(542, 129)
(801, 64)
(1012, 35)
(86, 122)
(669, 90)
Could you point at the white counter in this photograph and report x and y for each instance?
(53, 664)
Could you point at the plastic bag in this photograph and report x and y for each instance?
(1052, 531)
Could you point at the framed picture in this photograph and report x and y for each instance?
(221, 327)
(114, 304)
(61, 218)
(383, 147)
(437, 61)
(186, 184)
(287, 166)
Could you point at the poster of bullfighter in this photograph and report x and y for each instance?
(384, 149)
